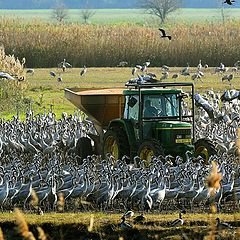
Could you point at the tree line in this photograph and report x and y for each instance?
(46, 4)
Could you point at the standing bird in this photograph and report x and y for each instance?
(223, 225)
(164, 34)
(185, 70)
(128, 214)
(30, 71)
(125, 225)
(165, 68)
(64, 68)
(84, 70)
(179, 221)
(39, 211)
(147, 63)
(222, 66)
(134, 70)
(64, 65)
(53, 74)
(229, 2)
(199, 66)
(237, 64)
(143, 68)
(165, 75)
(175, 76)
(228, 77)
(186, 74)
(197, 75)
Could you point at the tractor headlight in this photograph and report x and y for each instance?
(179, 136)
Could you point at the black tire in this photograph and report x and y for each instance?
(149, 149)
(84, 147)
(115, 142)
(204, 148)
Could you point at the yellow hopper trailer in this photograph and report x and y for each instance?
(100, 105)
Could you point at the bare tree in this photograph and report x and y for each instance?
(160, 8)
(60, 12)
(87, 13)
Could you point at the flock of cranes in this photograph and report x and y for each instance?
(194, 73)
(185, 72)
(39, 155)
(64, 65)
(142, 71)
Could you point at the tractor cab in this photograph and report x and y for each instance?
(156, 115)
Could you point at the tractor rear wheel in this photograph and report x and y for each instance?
(150, 148)
(116, 143)
(204, 148)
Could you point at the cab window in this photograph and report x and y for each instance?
(131, 107)
(166, 104)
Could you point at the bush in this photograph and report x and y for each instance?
(11, 91)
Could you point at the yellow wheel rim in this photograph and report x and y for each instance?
(146, 154)
(203, 152)
(111, 147)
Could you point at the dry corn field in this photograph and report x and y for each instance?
(44, 44)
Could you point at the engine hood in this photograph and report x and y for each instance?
(173, 125)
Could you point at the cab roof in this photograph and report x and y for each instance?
(150, 91)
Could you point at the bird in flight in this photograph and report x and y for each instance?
(164, 34)
(229, 2)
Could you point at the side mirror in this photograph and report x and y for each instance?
(132, 101)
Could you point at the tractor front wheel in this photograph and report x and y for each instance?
(204, 148)
(115, 142)
(150, 148)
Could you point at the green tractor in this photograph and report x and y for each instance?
(142, 120)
